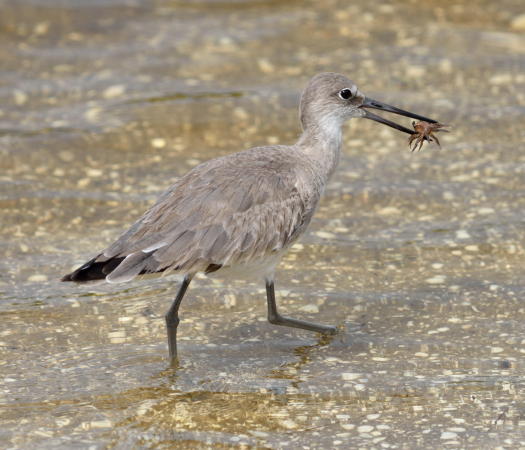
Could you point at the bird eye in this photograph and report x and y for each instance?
(345, 94)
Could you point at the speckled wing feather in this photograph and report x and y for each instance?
(228, 210)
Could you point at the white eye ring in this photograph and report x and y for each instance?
(345, 94)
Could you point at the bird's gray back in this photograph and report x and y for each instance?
(228, 210)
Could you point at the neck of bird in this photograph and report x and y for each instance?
(321, 141)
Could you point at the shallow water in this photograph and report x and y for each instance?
(417, 257)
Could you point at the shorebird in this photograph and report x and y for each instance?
(237, 215)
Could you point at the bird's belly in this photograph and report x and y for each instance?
(254, 269)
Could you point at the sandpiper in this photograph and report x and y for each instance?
(238, 214)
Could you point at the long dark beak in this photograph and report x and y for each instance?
(374, 104)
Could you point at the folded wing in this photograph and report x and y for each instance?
(225, 211)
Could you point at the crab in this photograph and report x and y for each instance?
(424, 131)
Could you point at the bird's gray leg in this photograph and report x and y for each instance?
(172, 317)
(275, 318)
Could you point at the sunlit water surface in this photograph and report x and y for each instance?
(417, 257)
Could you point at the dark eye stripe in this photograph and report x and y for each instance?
(345, 94)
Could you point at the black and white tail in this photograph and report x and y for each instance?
(93, 270)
